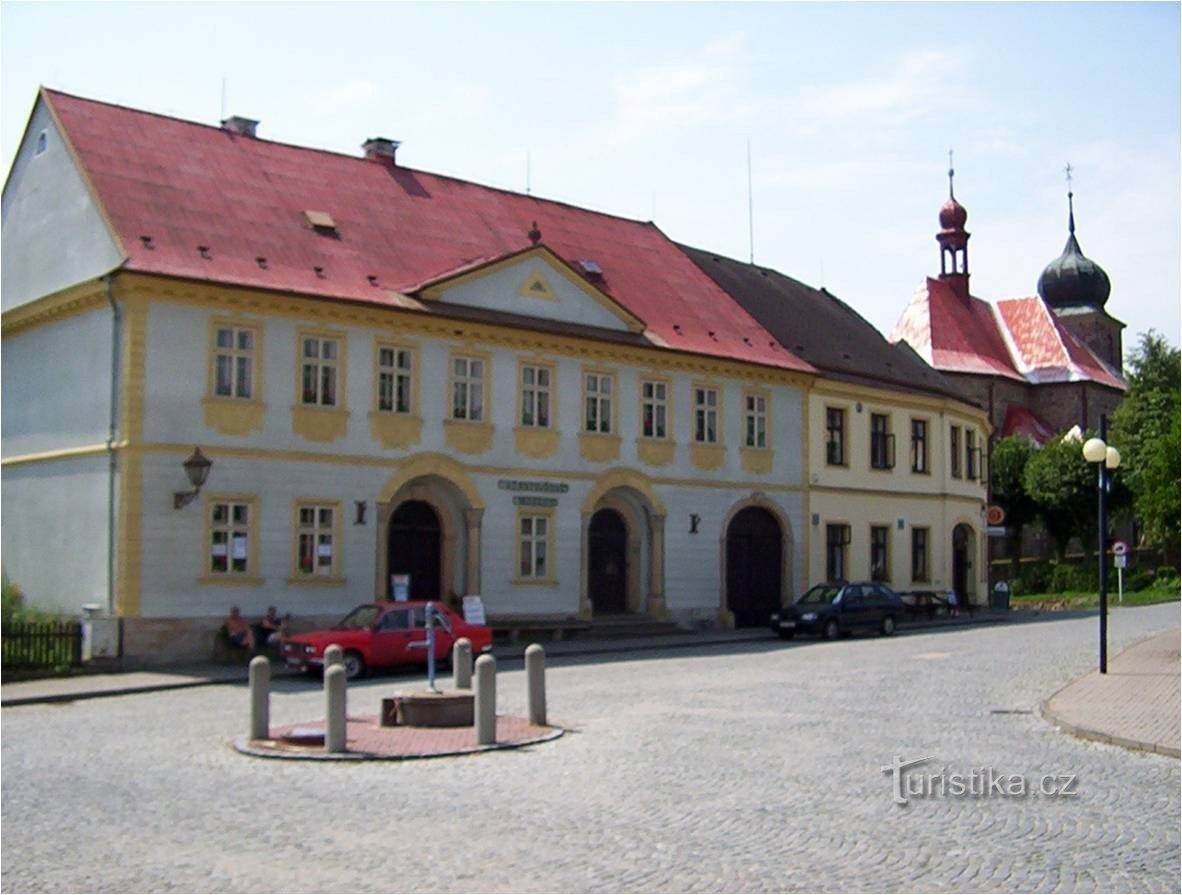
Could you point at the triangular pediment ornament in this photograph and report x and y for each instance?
(537, 286)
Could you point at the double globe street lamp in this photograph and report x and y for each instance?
(1106, 457)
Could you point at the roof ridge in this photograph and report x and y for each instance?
(342, 155)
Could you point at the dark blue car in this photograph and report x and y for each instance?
(830, 610)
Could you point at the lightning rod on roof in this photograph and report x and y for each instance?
(528, 185)
(222, 117)
(750, 209)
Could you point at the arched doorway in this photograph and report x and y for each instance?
(754, 563)
(607, 562)
(963, 543)
(415, 549)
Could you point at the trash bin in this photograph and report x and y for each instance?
(1001, 597)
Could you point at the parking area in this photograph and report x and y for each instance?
(753, 766)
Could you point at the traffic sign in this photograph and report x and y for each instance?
(1122, 561)
(995, 515)
(1119, 548)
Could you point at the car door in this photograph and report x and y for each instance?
(391, 635)
(853, 608)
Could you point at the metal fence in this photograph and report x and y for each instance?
(41, 645)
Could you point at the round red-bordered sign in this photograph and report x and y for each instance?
(995, 515)
(1119, 548)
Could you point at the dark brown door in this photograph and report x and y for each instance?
(753, 564)
(960, 563)
(607, 562)
(415, 549)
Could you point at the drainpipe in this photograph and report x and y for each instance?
(112, 431)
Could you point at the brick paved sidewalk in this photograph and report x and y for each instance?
(1135, 705)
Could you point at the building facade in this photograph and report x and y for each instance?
(395, 373)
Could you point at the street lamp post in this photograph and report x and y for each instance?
(1097, 450)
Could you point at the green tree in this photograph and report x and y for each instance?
(1146, 429)
(1007, 465)
(1063, 485)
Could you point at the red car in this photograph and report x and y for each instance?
(384, 633)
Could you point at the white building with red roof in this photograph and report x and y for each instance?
(397, 373)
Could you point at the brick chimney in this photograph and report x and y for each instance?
(244, 127)
(380, 149)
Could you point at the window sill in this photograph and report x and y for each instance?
(233, 416)
(232, 580)
(315, 581)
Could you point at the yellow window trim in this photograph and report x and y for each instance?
(337, 543)
(656, 451)
(378, 344)
(720, 424)
(341, 363)
(228, 414)
(753, 392)
(667, 381)
(250, 576)
(453, 354)
(550, 578)
(552, 366)
(615, 399)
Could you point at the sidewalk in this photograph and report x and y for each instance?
(91, 686)
(1135, 705)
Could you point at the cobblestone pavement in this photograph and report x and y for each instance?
(1135, 704)
(748, 767)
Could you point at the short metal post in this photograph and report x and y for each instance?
(486, 700)
(333, 655)
(461, 664)
(334, 709)
(535, 675)
(260, 698)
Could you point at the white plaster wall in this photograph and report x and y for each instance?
(499, 291)
(52, 235)
(54, 531)
(57, 384)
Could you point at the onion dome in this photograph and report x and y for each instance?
(1073, 280)
(953, 215)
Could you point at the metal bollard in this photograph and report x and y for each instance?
(486, 700)
(260, 698)
(535, 677)
(334, 709)
(333, 655)
(461, 664)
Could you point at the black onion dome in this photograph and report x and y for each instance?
(1073, 280)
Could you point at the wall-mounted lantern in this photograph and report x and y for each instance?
(197, 469)
(695, 519)
(359, 510)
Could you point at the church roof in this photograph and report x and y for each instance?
(201, 202)
(1019, 339)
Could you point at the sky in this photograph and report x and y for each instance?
(646, 110)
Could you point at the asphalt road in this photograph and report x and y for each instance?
(746, 767)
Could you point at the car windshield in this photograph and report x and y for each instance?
(822, 594)
(361, 617)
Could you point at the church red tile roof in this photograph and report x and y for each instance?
(1019, 339)
(1024, 421)
(169, 187)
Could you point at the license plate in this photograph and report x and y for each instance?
(787, 624)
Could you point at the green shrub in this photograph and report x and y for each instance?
(1033, 579)
(1166, 573)
(1139, 579)
(1062, 579)
(11, 603)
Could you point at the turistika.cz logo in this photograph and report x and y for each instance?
(977, 783)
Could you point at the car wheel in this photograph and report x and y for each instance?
(354, 665)
(831, 629)
(786, 635)
(888, 626)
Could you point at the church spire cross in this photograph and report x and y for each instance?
(951, 172)
(1070, 202)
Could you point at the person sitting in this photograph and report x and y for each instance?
(238, 631)
(271, 629)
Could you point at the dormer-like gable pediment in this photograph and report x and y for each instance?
(534, 282)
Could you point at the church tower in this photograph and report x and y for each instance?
(954, 242)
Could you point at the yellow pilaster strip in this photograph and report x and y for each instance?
(131, 472)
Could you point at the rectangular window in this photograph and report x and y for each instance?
(534, 549)
(882, 442)
(880, 536)
(467, 389)
(229, 537)
(835, 436)
(837, 540)
(919, 554)
(598, 402)
(756, 421)
(654, 408)
(234, 362)
(535, 396)
(395, 369)
(316, 540)
(320, 356)
(706, 415)
(970, 454)
(919, 446)
(954, 450)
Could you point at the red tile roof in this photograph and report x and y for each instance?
(1023, 421)
(186, 185)
(1018, 339)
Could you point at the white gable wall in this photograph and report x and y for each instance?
(500, 291)
(53, 235)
